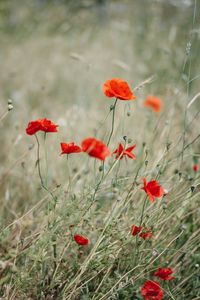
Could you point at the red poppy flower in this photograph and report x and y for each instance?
(33, 127)
(195, 168)
(118, 88)
(81, 240)
(95, 148)
(154, 103)
(164, 274)
(135, 230)
(41, 125)
(146, 235)
(153, 189)
(120, 151)
(151, 291)
(70, 148)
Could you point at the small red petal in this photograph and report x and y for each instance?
(81, 240)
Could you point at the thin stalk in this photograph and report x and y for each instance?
(110, 136)
(111, 133)
(46, 159)
(68, 172)
(39, 170)
(46, 189)
(113, 122)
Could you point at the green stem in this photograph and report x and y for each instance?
(68, 171)
(143, 208)
(110, 136)
(113, 122)
(46, 189)
(46, 159)
(38, 163)
(111, 133)
(39, 170)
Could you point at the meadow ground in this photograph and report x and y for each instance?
(55, 57)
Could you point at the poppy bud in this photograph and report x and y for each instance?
(190, 178)
(168, 146)
(165, 192)
(188, 48)
(164, 206)
(10, 107)
(192, 188)
(115, 190)
(129, 140)
(195, 168)
(183, 226)
(100, 168)
(111, 107)
(128, 114)
(155, 252)
(75, 170)
(125, 137)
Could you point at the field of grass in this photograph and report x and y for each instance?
(55, 57)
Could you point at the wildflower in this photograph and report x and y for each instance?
(151, 291)
(95, 148)
(153, 189)
(154, 103)
(146, 235)
(70, 148)
(195, 167)
(135, 230)
(164, 274)
(118, 88)
(120, 151)
(41, 125)
(81, 240)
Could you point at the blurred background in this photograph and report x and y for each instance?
(55, 56)
(61, 51)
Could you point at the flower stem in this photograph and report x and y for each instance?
(39, 170)
(111, 133)
(113, 121)
(46, 189)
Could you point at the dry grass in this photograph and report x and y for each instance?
(55, 57)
